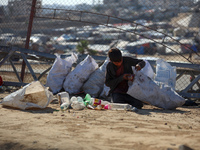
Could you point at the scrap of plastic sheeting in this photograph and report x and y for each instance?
(165, 73)
(105, 91)
(33, 95)
(147, 70)
(146, 90)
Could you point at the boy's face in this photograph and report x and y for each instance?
(118, 64)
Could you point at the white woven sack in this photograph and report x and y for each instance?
(33, 95)
(75, 79)
(94, 85)
(146, 90)
(59, 71)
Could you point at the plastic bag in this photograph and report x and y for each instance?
(75, 79)
(165, 73)
(147, 70)
(105, 91)
(77, 103)
(146, 90)
(33, 95)
(59, 71)
(94, 85)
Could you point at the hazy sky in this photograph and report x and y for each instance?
(63, 2)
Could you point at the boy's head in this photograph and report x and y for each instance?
(115, 56)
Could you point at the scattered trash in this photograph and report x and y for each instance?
(77, 103)
(94, 103)
(63, 97)
(33, 95)
(64, 101)
(118, 106)
(105, 91)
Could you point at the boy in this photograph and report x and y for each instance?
(118, 73)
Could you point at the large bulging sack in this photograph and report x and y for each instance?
(75, 79)
(146, 90)
(33, 95)
(59, 71)
(94, 85)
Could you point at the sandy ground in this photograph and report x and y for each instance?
(52, 129)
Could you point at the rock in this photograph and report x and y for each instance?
(184, 147)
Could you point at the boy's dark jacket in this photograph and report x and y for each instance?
(111, 80)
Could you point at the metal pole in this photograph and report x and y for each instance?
(28, 36)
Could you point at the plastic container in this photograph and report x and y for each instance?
(63, 97)
(73, 98)
(64, 101)
(64, 106)
(88, 100)
(118, 106)
(80, 99)
(77, 103)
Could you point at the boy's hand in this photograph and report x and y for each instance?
(129, 77)
(137, 67)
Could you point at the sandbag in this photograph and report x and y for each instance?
(94, 85)
(75, 79)
(59, 71)
(33, 95)
(160, 95)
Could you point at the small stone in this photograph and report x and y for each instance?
(184, 147)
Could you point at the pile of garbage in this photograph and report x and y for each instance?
(79, 103)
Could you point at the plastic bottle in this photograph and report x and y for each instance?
(88, 100)
(77, 103)
(63, 97)
(118, 106)
(64, 106)
(73, 98)
(80, 99)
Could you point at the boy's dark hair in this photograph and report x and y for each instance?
(115, 55)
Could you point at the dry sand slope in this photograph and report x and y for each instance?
(149, 129)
